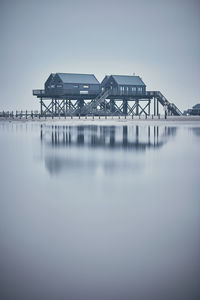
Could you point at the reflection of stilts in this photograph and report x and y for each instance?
(105, 136)
(137, 135)
(125, 133)
(80, 136)
(149, 135)
(112, 136)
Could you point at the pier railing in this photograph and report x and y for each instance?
(19, 114)
(38, 92)
(35, 115)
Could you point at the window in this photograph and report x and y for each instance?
(86, 86)
(59, 86)
(52, 86)
(76, 86)
(139, 89)
(133, 89)
(83, 92)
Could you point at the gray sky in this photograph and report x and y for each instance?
(158, 40)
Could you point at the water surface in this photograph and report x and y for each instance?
(105, 211)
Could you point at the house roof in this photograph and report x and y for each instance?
(78, 78)
(128, 80)
(197, 106)
(105, 79)
(51, 76)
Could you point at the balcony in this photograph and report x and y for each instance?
(38, 92)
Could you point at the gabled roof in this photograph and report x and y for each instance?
(78, 78)
(197, 106)
(105, 79)
(51, 76)
(128, 80)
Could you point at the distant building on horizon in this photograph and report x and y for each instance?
(194, 111)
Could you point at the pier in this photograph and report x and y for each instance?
(67, 94)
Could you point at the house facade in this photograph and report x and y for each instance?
(61, 84)
(123, 85)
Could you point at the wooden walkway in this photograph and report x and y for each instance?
(35, 115)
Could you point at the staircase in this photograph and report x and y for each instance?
(170, 106)
(91, 107)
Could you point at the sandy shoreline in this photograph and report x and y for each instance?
(108, 119)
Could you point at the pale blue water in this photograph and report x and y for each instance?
(99, 211)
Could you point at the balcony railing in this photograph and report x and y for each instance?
(38, 92)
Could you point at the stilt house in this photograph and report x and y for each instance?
(71, 84)
(123, 85)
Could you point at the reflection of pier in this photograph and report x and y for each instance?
(77, 140)
(196, 131)
(113, 137)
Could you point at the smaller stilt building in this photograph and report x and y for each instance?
(124, 85)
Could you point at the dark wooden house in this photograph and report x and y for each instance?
(61, 84)
(123, 85)
(195, 110)
(49, 81)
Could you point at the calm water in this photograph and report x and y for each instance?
(99, 211)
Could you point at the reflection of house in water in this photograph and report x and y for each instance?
(115, 138)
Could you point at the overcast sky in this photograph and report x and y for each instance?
(157, 40)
